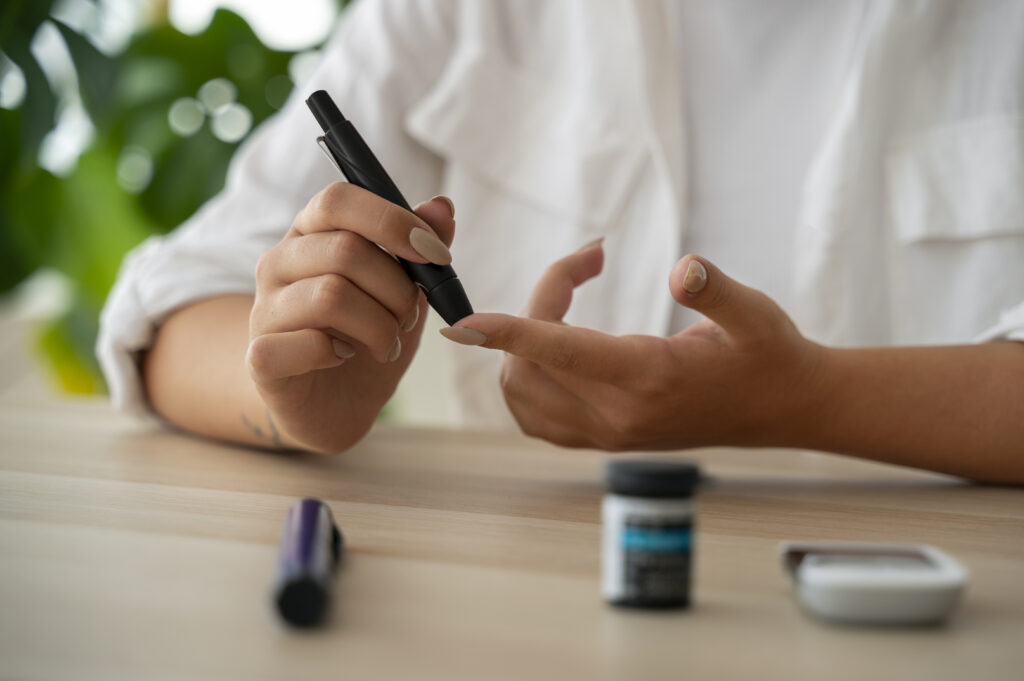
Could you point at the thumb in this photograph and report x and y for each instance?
(439, 213)
(740, 310)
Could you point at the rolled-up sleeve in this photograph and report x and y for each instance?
(385, 55)
(1009, 327)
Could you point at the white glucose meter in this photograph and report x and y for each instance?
(874, 583)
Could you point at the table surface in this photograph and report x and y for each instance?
(128, 551)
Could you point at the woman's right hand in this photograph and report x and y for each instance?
(336, 320)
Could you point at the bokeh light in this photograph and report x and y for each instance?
(231, 123)
(216, 94)
(186, 116)
(291, 25)
(134, 168)
(12, 84)
(277, 90)
(302, 65)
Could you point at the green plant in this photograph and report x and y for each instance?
(138, 175)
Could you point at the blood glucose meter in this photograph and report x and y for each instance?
(874, 583)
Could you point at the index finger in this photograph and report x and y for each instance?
(580, 352)
(345, 206)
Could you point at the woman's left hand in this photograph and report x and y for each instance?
(742, 376)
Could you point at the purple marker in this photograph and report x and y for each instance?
(310, 550)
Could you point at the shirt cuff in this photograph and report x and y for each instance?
(1010, 327)
(141, 299)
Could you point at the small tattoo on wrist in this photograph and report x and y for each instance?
(273, 436)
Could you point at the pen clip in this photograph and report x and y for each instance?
(321, 142)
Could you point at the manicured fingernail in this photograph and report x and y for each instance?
(696, 277)
(429, 246)
(412, 319)
(396, 350)
(463, 335)
(343, 349)
(591, 244)
(451, 206)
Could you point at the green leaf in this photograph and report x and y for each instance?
(22, 16)
(84, 224)
(227, 48)
(14, 267)
(97, 223)
(10, 144)
(190, 172)
(61, 344)
(97, 73)
(143, 80)
(40, 105)
(30, 200)
(24, 203)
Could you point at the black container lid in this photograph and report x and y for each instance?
(633, 478)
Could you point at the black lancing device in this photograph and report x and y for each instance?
(360, 167)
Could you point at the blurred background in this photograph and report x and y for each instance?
(117, 121)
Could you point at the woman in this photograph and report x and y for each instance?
(858, 161)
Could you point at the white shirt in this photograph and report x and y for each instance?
(760, 81)
(550, 124)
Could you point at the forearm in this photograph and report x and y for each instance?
(195, 374)
(196, 378)
(953, 409)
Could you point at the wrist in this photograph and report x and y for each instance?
(810, 400)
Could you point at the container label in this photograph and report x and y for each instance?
(657, 559)
(672, 539)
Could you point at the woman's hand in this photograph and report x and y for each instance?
(335, 320)
(741, 376)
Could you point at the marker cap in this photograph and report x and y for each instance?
(310, 550)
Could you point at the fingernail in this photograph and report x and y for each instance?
(396, 350)
(413, 318)
(696, 277)
(591, 244)
(451, 206)
(463, 335)
(429, 246)
(343, 349)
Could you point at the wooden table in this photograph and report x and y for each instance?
(132, 552)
